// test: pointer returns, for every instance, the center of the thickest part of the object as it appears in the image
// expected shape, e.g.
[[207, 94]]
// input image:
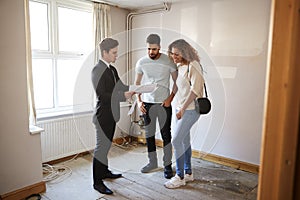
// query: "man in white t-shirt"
[[157, 68]]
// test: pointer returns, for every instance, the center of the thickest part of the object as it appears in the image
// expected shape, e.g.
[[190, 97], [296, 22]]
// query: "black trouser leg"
[[164, 115], [164, 118], [105, 129]]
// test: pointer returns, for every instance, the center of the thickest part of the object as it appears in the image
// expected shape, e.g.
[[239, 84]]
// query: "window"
[[61, 40]]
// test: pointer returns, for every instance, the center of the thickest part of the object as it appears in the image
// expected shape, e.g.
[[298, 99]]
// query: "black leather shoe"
[[102, 188], [111, 175], [168, 172]]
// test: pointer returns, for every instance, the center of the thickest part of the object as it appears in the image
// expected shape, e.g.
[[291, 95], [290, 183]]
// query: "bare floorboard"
[[212, 181]]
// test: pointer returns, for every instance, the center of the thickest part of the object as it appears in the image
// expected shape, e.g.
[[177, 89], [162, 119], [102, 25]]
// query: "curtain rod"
[[103, 2]]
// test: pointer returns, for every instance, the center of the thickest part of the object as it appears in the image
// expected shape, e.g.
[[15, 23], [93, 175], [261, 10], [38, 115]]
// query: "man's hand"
[[166, 103], [128, 94], [142, 107]]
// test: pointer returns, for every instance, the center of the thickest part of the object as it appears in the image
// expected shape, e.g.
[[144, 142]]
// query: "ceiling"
[[136, 4]]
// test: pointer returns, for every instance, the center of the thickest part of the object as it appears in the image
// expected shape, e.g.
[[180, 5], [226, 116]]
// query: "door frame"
[[281, 112]]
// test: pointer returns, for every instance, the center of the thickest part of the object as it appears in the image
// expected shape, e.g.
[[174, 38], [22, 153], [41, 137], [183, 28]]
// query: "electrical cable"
[[56, 174]]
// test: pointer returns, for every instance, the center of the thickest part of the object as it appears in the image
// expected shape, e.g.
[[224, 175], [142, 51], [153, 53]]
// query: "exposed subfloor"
[[212, 181]]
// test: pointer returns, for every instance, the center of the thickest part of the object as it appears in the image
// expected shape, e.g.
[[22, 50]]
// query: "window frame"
[[55, 54]]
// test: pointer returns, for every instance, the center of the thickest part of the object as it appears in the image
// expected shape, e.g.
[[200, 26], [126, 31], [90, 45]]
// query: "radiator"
[[67, 136]]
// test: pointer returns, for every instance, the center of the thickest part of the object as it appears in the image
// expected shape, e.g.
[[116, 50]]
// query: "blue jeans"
[[181, 142]]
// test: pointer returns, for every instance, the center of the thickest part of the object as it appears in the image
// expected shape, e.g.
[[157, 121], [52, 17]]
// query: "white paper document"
[[143, 88], [132, 108]]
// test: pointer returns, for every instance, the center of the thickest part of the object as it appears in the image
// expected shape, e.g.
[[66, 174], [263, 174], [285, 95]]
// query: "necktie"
[[113, 73]]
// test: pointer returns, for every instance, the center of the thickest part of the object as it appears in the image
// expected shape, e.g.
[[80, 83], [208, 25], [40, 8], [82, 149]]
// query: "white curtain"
[[102, 24], [30, 94]]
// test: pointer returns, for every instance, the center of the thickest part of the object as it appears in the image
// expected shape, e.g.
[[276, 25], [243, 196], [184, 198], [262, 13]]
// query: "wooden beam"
[[280, 131]]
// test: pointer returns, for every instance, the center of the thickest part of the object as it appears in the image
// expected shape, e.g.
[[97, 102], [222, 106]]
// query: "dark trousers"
[[105, 128], [164, 116]]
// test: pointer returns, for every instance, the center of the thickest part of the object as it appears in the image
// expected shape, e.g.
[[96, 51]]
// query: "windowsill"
[[69, 113], [35, 129], [56, 115]]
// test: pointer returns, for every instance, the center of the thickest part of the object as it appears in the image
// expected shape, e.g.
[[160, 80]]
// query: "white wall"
[[20, 152], [231, 37], [84, 86], [118, 21]]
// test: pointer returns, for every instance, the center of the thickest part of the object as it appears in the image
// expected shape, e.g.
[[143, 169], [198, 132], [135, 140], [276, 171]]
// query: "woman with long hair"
[[190, 84]]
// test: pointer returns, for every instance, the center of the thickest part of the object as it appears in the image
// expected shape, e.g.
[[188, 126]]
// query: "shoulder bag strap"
[[188, 70]]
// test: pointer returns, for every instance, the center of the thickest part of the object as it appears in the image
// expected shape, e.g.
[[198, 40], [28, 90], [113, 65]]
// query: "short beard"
[[155, 56]]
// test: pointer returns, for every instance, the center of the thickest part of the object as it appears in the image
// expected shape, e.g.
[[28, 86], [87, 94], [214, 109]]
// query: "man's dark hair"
[[153, 39], [108, 44]]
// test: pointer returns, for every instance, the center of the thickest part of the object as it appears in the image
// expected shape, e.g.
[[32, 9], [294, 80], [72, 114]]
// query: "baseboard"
[[60, 160], [25, 192], [248, 167]]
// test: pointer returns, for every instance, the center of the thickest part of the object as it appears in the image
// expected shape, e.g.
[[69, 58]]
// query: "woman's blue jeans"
[[181, 142]]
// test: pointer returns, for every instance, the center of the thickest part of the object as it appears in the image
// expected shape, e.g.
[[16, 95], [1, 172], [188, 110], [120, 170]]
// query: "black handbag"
[[203, 104]]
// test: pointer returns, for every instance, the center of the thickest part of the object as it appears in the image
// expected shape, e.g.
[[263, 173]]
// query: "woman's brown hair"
[[188, 53]]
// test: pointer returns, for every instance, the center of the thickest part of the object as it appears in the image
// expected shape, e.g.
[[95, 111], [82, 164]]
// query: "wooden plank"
[[280, 128], [137, 185], [154, 182], [202, 169], [124, 191], [212, 181], [211, 190], [226, 181]]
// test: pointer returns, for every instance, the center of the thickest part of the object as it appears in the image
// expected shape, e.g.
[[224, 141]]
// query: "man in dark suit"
[[110, 91]]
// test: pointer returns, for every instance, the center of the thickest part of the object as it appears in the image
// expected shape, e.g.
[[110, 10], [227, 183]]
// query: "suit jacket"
[[109, 91]]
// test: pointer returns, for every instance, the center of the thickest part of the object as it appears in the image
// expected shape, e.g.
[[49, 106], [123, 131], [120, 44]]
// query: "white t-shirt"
[[189, 81], [156, 71]]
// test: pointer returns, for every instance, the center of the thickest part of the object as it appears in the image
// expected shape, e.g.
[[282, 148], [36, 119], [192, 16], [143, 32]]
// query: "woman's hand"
[[179, 114]]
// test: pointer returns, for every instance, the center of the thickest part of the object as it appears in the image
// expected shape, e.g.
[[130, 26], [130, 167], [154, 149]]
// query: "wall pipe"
[[165, 8]]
